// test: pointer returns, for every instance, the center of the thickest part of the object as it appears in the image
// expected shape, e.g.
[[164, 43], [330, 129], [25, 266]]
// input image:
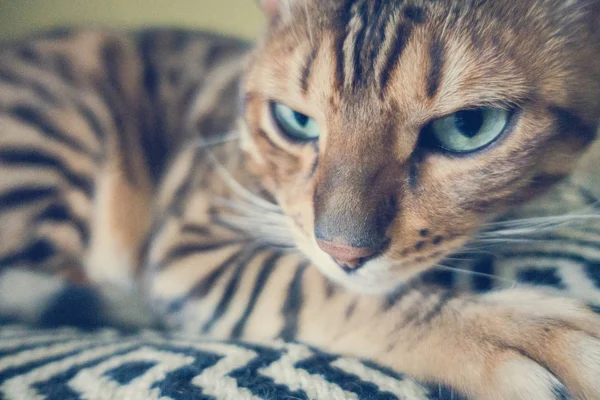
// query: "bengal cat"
[[329, 184]]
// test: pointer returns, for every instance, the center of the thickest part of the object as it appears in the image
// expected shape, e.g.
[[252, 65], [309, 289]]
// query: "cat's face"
[[390, 130]]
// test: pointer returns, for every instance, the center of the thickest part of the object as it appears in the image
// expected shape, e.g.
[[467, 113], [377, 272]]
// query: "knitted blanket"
[[64, 364]]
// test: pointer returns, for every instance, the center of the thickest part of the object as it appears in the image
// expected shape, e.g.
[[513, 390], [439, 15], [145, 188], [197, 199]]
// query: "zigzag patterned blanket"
[[65, 364]]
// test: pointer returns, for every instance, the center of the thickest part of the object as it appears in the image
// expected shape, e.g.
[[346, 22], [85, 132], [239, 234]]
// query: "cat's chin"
[[377, 277]]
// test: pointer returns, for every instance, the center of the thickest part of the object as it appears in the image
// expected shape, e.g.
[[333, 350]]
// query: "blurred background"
[[237, 17]]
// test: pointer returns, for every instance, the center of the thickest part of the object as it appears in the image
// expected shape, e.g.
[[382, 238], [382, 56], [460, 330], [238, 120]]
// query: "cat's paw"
[[529, 345]]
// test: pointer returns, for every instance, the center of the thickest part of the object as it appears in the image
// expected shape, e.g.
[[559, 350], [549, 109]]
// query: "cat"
[[322, 184]]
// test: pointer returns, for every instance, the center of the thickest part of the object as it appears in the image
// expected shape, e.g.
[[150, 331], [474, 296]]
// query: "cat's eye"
[[293, 124], [469, 130]]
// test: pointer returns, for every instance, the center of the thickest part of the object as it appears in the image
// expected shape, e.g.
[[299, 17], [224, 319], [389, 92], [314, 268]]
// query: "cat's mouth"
[[377, 275], [352, 259]]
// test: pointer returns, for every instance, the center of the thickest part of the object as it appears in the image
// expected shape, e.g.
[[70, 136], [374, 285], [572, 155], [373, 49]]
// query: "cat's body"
[[123, 162]]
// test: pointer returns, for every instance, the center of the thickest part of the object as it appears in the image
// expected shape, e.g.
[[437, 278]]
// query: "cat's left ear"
[[270, 7], [276, 8]]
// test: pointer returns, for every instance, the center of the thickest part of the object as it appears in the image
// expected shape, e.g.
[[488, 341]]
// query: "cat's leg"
[[512, 344]]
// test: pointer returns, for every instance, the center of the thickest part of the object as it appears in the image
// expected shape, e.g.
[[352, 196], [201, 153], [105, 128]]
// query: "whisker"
[[469, 272], [236, 187], [202, 143], [549, 221], [308, 26], [494, 240]]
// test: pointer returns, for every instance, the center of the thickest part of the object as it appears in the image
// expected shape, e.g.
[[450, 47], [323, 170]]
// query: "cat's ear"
[[270, 7], [275, 8]]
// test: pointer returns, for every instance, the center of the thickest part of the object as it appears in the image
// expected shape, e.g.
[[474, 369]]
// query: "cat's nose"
[[348, 257]]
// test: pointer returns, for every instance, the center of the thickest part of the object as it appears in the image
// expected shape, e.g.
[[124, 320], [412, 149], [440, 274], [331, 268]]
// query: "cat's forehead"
[[426, 57], [373, 43]]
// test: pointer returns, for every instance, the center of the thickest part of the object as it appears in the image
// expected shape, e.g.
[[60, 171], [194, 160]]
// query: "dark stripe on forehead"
[[345, 14], [436, 65], [306, 71], [400, 39], [372, 37], [363, 11], [415, 14]]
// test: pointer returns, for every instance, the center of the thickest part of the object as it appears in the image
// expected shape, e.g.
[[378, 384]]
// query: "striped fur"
[[149, 160]]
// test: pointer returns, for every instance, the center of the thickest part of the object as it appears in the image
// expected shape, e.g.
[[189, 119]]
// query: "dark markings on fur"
[[392, 299], [484, 267], [541, 276], [41, 91], [231, 289], [186, 250], [436, 66], [259, 285], [112, 58], [197, 230], [293, 305], [437, 240], [219, 118], [350, 310], [29, 54], [175, 207], [64, 69], [307, 70], [438, 308], [29, 157], [330, 290], [112, 92], [424, 232], [24, 196], [153, 142], [266, 137], [344, 17], [93, 122], [315, 164], [378, 34], [359, 74], [207, 284], [35, 253], [415, 14], [400, 41], [420, 245], [413, 172], [60, 213], [189, 95], [214, 53], [568, 123], [42, 123]]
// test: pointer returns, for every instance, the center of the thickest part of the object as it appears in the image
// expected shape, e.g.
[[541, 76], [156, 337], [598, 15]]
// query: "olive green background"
[[238, 17]]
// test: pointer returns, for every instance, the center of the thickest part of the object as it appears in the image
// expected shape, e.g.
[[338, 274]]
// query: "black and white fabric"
[[64, 364]]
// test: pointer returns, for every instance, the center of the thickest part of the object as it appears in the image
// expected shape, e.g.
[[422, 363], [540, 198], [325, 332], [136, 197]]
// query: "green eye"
[[469, 130], [295, 125]]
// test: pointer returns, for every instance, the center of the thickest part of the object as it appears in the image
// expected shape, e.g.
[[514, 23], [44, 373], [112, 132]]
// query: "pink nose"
[[347, 256]]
